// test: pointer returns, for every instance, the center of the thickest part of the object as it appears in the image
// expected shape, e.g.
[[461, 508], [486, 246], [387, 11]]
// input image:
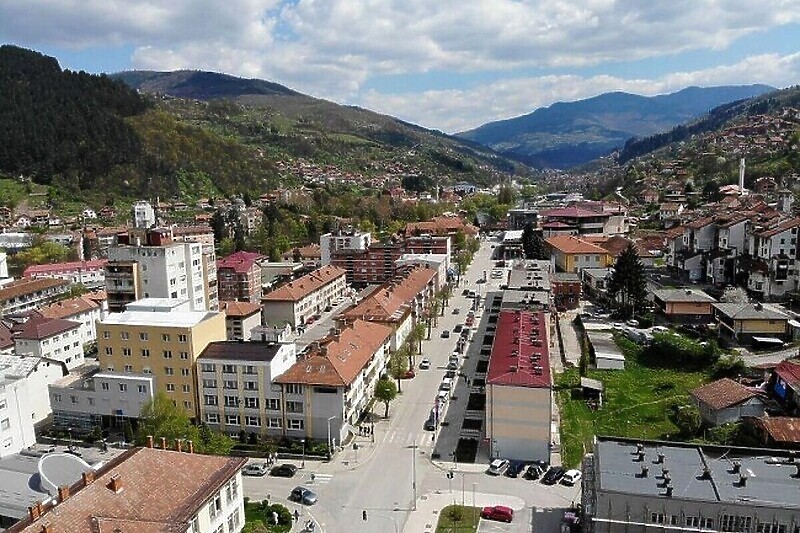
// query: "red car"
[[501, 513]]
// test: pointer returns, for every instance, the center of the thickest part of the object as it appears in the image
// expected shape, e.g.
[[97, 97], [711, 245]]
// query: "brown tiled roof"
[[700, 223], [441, 225], [615, 245], [783, 429], [569, 244], [339, 360], [70, 307], [783, 226], [29, 286], [240, 262], [386, 302], [6, 341], [300, 288], [722, 393], [239, 309], [161, 490], [40, 327], [674, 233]]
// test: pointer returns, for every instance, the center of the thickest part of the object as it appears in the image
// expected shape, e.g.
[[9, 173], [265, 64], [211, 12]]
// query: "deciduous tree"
[[385, 391]]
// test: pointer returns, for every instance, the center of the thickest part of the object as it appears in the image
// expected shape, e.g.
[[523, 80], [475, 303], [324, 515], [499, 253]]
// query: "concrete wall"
[[518, 422]]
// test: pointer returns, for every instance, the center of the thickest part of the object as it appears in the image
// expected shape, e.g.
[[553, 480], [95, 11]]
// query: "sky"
[[450, 65]]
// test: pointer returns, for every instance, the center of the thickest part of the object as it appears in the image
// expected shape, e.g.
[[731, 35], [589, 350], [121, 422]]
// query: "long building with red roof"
[[519, 388], [296, 302]]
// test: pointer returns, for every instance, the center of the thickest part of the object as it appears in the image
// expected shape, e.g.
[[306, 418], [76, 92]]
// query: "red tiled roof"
[[161, 490], [239, 309], [385, 302], [783, 226], [513, 360], [29, 286], [69, 307], [41, 327], [240, 262], [339, 360], [569, 244], [722, 393], [73, 266], [615, 245], [6, 340], [440, 226], [783, 429], [700, 223], [300, 288]]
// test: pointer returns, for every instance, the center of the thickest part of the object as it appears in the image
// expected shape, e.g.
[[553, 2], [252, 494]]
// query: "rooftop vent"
[[669, 491], [660, 459], [737, 467], [706, 473], [645, 470], [742, 479]]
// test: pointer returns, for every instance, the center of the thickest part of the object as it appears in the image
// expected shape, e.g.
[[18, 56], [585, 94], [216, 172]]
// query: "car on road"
[[571, 477], [442, 397], [497, 467], [303, 495], [425, 363], [446, 334], [501, 513], [465, 292], [458, 328], [254, 469], [553, 475], [450, 374], [430, 423], [446, 385], [515, 468], [457, 311], [452, 365], [285, 470], [534, 471]]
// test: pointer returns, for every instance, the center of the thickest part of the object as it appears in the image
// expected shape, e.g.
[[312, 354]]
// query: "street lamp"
[[303, 462], [330, 451]]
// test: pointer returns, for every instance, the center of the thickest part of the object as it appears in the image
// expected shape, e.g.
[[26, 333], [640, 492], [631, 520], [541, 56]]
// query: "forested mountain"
[[567, 134]]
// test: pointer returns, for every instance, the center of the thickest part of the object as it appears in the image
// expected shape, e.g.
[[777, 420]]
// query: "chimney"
[[645, 470], [191, 446], [179, 445], [660, 458], [706, 473], [115, 484], [149, 441], [48, 528], [741, 176], [163, 443], [63, 493], [742, 479], [88, 477], [34, 512]]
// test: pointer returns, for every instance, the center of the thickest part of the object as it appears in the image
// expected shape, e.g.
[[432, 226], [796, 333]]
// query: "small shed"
[[607, 355], [592, 391], [726, 400]]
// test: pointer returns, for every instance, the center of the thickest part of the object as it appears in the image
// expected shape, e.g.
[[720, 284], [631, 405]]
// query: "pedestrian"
[[296, 515]]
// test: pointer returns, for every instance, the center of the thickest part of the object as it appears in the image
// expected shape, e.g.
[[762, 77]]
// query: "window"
[[147, 370], [250, 385], [3, 404], [274, 423], [90, 400], [128, 368], [184, 371], [210, 399], [126, 352], [165, 337], [145, 352], [181, 338], [167, 354], [170, 387], [184, 355], [252, 421], [209, 383], [142, 389], [109, 350], [73, 399], [735, 523], [207, 367], [231, 401], [104, 386], [656, 518], [215, 507], [294, 407], [251, 403], [249, 370], [5, 423], [195, 525], [295, 423], [124, 335], [230, 384], [186, 388], [212, 418], [123, 387], [294, 388], [232, 420], [228, 369], [187, 405], [272, 404], [106, 334], [143, 336]]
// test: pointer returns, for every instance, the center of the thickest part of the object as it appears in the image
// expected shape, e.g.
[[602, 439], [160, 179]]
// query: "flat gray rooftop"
[[769, 482], [19, 487]]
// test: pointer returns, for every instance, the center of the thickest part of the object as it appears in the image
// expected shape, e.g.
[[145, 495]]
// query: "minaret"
[[741, 176]]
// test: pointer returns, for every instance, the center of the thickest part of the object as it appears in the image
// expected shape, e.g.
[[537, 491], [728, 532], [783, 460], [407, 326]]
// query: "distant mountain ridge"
[[568, 134], [199, 84]]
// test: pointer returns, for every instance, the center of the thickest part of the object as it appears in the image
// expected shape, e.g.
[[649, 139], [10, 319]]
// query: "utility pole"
[[414, 475]]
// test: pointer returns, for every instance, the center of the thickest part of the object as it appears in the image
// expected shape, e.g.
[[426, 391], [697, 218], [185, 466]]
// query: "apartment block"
[[88, 273], [52, 338], [26, 294], [82, 309], [239, 277], [774, 269], [345, 241], [27, 379], [294, 303], [240, 319], [235, 380], [162, 338]]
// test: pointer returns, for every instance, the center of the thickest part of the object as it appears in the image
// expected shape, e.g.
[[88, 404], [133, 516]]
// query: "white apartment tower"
[[144, 217], [342, 241]]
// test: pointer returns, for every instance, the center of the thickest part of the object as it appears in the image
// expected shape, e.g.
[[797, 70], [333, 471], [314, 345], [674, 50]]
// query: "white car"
[[571, 477], [425, 363], [497, 467]]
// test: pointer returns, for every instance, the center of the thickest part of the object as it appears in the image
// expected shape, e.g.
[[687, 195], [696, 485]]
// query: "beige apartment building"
[[161, 337]]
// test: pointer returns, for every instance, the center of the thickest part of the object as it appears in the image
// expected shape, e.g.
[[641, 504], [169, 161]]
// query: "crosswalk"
[[423, 439], [319, 479]]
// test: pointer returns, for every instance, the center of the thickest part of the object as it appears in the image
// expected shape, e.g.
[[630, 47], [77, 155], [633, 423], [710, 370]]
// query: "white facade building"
[[144, 217], [54, 338], [80, 309], [27, 378], [298, 301], [351, 240]]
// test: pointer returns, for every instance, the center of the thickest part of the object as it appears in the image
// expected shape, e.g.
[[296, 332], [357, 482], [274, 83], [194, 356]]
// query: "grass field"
[[470, 516], [635, 404]]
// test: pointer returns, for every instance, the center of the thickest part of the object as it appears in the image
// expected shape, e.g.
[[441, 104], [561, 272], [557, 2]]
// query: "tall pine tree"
[[533, 243], [628, 287]]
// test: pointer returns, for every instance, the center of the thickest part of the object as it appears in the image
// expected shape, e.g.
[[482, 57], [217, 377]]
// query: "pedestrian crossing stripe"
[[321, 479]]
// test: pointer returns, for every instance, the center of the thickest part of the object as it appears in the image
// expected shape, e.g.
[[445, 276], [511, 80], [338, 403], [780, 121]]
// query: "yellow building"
[[161, 337], [748, 322], [572, 254]]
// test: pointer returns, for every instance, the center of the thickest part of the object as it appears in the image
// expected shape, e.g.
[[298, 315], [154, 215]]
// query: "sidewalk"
[[429, 505]]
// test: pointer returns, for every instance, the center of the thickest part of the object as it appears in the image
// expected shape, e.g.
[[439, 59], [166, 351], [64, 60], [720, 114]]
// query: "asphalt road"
[[395, 475]]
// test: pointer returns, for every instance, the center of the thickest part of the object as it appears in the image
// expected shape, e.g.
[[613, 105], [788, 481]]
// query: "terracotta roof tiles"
[[722, 393], [569, 244], [300, 288]]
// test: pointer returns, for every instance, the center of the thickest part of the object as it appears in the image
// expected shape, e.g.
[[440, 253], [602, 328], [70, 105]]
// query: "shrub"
[[676, 351], [730, 366]]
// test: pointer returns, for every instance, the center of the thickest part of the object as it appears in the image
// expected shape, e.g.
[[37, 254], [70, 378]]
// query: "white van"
[[446, 385], [442, 397]]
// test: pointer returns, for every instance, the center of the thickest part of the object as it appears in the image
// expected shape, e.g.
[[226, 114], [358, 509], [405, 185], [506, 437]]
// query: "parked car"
[[553, 475], [425, 363], [446, 334], [430, 423], [254, 469], [303, 495], [465, 292], [456, 311], [501, 513], [286, 470], [458, 328], [452, 365], [515, 468], [571, 477], [497, 467], [442, 397], [534, 471]]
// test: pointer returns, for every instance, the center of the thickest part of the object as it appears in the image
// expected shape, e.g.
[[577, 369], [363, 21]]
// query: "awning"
[[794, 323], [767, 340]]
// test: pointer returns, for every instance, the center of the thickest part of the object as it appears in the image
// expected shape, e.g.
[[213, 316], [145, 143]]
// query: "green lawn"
[[635, 404], [470, 516], [256, 519]]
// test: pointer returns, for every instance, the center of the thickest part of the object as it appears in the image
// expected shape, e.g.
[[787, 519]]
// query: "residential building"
[[16, 422], [576, 219], [88, 273], [783, 385], [641, 486], [52, 338], [6, 339], [239, 277], [294, 303], [235, 381], [90, 397], [448, 225], [746, 322], [511, 246], [348, 241], [684, 305], [699, 238], [81, 309], [519, 217], [566, 289], [519, 389], [331, 386], [572, 254], [530, 275], [163, 338], [595, 281], [240, 319], [144, 217], [147, 489], [778, 431], [27, 377], [159, 268], [201, 234], [438, 262], [26, 294], [774, 269], [310, 255], [726, 401]]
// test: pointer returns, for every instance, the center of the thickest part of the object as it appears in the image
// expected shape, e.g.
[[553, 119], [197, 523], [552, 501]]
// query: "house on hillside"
[[725, 401]]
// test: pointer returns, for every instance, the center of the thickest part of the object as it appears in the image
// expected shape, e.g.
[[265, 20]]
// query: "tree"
[[397, 363], [627, 285], [385, 391], [533, 243], [416, 337], [162, 418]]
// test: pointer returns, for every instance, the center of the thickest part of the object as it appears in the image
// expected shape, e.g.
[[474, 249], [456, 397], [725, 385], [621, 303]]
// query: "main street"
[[391, 476]]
